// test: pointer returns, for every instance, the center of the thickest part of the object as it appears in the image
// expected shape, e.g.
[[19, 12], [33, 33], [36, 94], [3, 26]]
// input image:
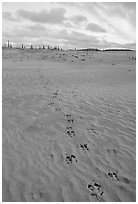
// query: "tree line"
[[9, 45]]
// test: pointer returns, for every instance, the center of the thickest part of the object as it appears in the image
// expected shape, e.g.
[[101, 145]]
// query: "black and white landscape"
[[69, 102]]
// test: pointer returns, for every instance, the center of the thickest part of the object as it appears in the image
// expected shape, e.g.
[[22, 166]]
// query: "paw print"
[[95, 189], [69, 118], [70, 131], [70, 158], [84, 146], [113, 175]]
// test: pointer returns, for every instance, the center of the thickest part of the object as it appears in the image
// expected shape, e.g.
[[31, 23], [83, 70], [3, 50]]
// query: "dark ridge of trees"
[[117, 50], [88, 49]]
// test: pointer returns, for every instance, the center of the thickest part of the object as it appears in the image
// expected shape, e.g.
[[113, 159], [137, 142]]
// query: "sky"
[[70, 24]]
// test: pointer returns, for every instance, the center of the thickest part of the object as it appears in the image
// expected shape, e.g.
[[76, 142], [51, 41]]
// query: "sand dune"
[[68, 126]]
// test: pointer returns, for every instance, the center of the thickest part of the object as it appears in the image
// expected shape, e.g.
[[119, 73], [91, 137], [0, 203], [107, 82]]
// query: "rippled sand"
[[68, 126]]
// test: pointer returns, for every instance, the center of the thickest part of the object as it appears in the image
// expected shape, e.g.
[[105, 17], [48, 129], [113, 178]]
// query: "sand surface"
[[68, 126]]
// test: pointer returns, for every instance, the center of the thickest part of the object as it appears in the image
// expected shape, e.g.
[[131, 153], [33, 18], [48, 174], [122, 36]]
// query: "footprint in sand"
[[54, 95], [113, 176], [69, 118], [57, 109], [70, 131], [70, 158], [95, 189], [84, 146]]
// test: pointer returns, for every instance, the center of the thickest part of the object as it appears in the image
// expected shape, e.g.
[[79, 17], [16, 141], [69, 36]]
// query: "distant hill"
[[107, 49], [89, 49], [117, 49]]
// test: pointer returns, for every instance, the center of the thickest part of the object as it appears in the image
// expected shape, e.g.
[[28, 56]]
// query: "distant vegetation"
[[115, 49], [89, 49], [9, 45]]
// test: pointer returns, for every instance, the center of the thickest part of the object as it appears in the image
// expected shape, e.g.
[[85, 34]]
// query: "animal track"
[[84, 146], [70, 131], [113, 175], [57, 109], [95, 189], [69, 118], [54, 94], [70, 158]]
